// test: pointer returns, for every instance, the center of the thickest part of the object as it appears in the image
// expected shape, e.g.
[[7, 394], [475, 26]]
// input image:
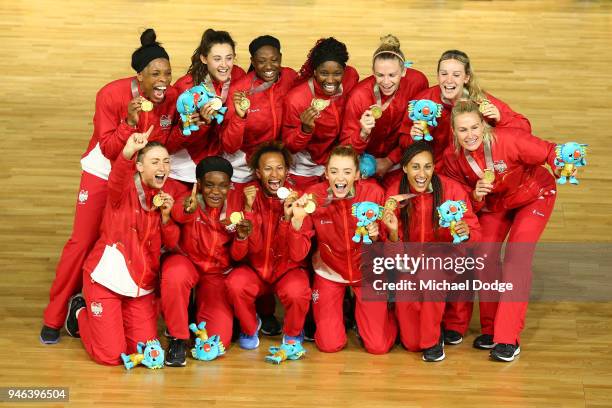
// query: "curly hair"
[[325, 49]]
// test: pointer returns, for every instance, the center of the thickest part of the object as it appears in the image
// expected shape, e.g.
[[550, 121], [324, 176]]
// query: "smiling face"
[[329, 76], [154, 167], [388, 74], [452, 78], [155, 79], [419, 171], [219, 61], [341, 173], [214, 186], [272, 172], [469, 130], [267, 63]]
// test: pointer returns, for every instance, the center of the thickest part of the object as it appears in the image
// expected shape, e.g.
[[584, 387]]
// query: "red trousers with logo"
[[112, 324], [376, 323], [90, 204], [244, 286], [179, 275]]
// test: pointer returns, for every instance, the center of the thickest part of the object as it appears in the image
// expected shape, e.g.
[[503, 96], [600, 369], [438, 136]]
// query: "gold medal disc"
[[146, 106], [376, 111], [310, 207], [245, 104], [236, 217], [489, 176], [216, 103], [391, 204], [158, 201], [483, 105], [319, 104]]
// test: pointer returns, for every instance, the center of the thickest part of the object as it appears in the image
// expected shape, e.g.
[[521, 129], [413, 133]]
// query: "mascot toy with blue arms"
[[186, 106], [570, 156], [206, 348], [367, 165], [451, 212], [203, 96], [366, 213], [150, 355], [425, 112], [290, 350]]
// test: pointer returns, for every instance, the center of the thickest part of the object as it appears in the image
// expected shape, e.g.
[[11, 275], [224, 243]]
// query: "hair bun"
[[389, 40], [148, 37]]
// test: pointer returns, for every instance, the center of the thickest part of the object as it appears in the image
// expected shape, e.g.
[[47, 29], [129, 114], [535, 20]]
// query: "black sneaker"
[[435, 353], [452, 337], [176, 353], [484, 342], [49, 335], [270, 326], [505, 352], [76, 303]]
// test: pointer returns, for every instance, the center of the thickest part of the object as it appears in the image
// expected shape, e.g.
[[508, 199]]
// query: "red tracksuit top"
[[443, 133], [205, 142], [111, 130], [138, 233], [327, 126], [272, 259], [518, 157], [384, 137], [205, 238], [334, 226], [421, 223], [264, 118]]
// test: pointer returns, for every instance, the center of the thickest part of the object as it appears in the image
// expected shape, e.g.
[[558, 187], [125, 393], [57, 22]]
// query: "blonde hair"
[[389, 48], [472, 89], [468, 106]]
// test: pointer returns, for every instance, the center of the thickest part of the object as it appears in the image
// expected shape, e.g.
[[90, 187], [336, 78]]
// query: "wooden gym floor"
[[549, 60]]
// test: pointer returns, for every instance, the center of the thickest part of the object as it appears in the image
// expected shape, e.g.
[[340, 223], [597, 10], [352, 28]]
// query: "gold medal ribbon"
[[488, 159], [224, 88], [378, 97]]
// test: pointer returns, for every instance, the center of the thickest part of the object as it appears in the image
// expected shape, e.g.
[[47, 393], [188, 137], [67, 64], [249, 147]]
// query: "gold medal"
[[320, 104], [236, 217], [310, 207], [489, 176], [245, 103], [483, 105], [146, 106], [391, 204], [376, 111], [216, 103], [158, 200]]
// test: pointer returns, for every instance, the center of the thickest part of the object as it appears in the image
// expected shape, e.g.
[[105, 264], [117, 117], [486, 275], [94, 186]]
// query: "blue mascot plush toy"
[[569, 156], [206, 348], [192, 100], [150, 355], [290, 350], [367, 165], [425, 112], [450, 212], [366, 213]]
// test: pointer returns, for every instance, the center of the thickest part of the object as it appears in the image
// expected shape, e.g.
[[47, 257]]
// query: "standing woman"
[[212, 63], [314, 109], [516, 205], [418, 221], [123, 107], [456, 80], [337, 259], [264, 89], [388, 91]]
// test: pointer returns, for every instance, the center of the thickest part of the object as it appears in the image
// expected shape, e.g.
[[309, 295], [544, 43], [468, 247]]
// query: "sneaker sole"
[[75, 335], [442, 357], [506, 359], [183, 364], [484, 346], [48, 341], [454, 343]]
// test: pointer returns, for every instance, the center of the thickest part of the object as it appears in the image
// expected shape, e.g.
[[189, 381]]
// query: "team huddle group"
[[256, 202]]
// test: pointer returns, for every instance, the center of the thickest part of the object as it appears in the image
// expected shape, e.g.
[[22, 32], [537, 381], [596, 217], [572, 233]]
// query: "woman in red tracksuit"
[[265, 87], [418, 221], [209, 244], [311, 132], [118, 307], [456, 80], [270, 268], [119, 113], [337, 260], [390, 88], [514, 196], [212, 63]]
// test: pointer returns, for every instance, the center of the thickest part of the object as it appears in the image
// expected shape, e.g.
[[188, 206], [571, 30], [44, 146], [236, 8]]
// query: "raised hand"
[[136, 142]]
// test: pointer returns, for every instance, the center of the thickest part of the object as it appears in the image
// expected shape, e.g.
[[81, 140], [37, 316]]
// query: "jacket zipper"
[[347, 240]]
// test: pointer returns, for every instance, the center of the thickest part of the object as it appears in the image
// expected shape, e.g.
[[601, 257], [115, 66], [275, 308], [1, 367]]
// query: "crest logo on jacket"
[[83, 195], [315, 296], [165, 121], [96, 309], [500, 166]]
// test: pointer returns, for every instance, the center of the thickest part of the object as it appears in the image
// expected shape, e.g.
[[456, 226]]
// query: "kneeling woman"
[[418, 221], [119, 309], [337, 259]]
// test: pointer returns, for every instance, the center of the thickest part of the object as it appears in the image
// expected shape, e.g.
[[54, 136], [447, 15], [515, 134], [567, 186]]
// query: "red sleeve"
[[178, 213], [470, 216], [530, 149], [109, 126], [121, 175], [508, 117], [452, 169], [239, 248], [350, 79], [256, 237], [299, 241], [293, 137], [170, 234], [232, 129], [351, 128]]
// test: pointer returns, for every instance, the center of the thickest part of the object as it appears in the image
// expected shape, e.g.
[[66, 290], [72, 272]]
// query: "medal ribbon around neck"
[[262, 87], [488, 159], [312, 90], [141, 193], [378, 97], [202, 204], [224, 88]]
